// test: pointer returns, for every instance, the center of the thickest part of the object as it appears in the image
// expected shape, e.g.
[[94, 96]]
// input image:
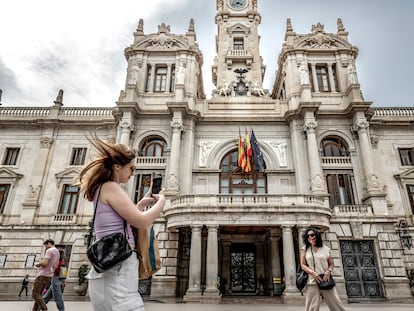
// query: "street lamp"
[[404, 234]]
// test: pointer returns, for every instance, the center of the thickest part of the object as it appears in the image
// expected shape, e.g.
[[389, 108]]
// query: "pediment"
[[407, 174], [238, 28], [6, 173], [161, 41], [321, 40], [67, 175]]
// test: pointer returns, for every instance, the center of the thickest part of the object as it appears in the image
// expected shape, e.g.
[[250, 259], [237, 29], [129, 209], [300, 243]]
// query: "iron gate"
[[243, 268], [360, 269]]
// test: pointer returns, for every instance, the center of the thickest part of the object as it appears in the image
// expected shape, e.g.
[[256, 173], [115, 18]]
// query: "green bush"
[[82, 272]]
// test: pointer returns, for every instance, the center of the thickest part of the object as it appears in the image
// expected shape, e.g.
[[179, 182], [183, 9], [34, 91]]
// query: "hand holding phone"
[[156, 184]]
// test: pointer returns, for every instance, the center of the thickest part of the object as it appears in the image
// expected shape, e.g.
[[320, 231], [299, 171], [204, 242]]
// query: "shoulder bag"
[[109, 250], [301, 278]]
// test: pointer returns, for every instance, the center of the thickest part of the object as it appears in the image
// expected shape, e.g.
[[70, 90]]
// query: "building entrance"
[[243, 268], [360, 269]]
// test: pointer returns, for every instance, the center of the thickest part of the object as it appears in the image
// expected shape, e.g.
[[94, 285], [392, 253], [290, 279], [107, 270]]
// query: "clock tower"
[[238, 65]]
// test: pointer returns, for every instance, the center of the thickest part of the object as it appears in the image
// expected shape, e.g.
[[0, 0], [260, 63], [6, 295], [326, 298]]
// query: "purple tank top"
[[108, 221]]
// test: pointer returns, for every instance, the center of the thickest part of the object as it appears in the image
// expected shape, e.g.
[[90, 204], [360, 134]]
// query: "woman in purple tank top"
[[115, 165]]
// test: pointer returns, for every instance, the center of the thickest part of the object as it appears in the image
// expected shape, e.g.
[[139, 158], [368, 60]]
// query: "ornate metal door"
[[360, 269], [243, 268]]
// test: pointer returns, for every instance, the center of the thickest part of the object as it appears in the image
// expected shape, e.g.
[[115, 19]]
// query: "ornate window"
[[322, 78], [333, 146], [78, 156], [153, 147], [340, 189], [143, 182], [238, 44], [69, 200], [160, 78], [406, 156], [11, 156], [4, 191], [234, 181]]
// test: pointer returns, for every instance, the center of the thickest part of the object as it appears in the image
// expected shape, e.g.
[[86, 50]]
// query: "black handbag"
[[109, 250], [326, 284], [301, 278]]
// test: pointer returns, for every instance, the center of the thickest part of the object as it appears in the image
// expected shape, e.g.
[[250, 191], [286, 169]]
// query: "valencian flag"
[[257, 154], [249, 152], [241, 158]]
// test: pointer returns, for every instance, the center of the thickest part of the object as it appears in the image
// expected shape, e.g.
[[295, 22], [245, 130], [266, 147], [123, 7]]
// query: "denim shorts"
[[116, 289]]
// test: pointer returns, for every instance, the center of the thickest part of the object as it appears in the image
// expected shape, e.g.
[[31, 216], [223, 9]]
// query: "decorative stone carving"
[[360, 125], [46, 142], [163, 39], [133, 75], [280, 149], [352, 75], [177, 124], [258, 90], [172, 182], [205, 148], [317, 182], [309, 125], [371, 182], [304, 74], [180, 75]]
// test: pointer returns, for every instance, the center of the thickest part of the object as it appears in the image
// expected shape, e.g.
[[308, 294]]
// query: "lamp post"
[[404, 234]]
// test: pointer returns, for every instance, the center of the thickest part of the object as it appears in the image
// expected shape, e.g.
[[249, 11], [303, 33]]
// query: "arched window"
[[333, 146], [153, 147], [234, 181]]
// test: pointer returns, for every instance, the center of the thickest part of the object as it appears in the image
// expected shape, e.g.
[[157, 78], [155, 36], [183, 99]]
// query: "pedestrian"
[[57, 283], [45, 271], [316, 260], [100, 181], [25, 285]]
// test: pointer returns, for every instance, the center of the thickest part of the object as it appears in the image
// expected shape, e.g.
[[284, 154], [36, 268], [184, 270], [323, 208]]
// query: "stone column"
[[125, 128], [274, 258], [212, 263], [373, 196], [315, 167], [152, 80], [168, 82], [289, 260], [175, 154], [298, 150], [194, 278]]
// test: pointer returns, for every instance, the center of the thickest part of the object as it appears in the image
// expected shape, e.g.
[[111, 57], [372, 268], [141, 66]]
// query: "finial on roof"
[[163, 28], [340, 25], [191, 26], [140, 27], [59, 98], [289, 25], [318, 28]]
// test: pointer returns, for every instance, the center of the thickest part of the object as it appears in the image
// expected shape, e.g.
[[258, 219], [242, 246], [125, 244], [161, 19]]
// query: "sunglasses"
[[311, 235]]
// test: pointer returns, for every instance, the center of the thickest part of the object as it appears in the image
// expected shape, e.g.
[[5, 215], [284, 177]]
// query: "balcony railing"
[[143, 162], [64, 218], [336, 162], [353, 210], [234, 201]]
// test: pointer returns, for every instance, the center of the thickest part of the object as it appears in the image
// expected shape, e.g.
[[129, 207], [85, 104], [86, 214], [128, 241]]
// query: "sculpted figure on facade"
[[133, 75], [205, 148], [180, 75], [223, 90], [372, 182], [257, 89], [304, 74], [317, 182], [46, 142], [352, 75]]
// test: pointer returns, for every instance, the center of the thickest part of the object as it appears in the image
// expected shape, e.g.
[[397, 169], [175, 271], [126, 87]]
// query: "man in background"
[[45, 270]]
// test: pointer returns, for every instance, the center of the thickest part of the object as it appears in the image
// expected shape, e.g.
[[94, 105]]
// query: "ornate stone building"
[[330, 160]]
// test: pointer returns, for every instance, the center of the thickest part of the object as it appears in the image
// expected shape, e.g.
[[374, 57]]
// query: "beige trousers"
[[314, 299]]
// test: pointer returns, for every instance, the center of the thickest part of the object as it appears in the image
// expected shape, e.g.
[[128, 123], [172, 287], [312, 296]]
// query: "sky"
[[78, 45]]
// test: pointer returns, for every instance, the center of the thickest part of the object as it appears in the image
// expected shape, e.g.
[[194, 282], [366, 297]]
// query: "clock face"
[[238, 4]]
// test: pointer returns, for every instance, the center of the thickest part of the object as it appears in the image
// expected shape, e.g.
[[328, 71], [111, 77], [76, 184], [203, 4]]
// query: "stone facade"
[[331, 161]]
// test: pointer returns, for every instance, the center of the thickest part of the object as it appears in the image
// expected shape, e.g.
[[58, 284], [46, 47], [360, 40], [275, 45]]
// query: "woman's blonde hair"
[[100, 170]]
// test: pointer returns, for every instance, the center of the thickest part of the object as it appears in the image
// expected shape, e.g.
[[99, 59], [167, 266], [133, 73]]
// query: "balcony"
[[151, 162], [255, 209], [238, 56], [336, 162], [359, 210]]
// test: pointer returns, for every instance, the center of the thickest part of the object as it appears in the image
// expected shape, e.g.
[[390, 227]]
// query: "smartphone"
[[156, 184]]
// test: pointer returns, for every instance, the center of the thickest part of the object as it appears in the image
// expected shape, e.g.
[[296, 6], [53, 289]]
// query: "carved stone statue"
[[352, 75], [304, 74]]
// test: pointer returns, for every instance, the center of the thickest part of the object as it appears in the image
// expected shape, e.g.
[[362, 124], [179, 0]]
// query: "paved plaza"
[[25, 305]]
